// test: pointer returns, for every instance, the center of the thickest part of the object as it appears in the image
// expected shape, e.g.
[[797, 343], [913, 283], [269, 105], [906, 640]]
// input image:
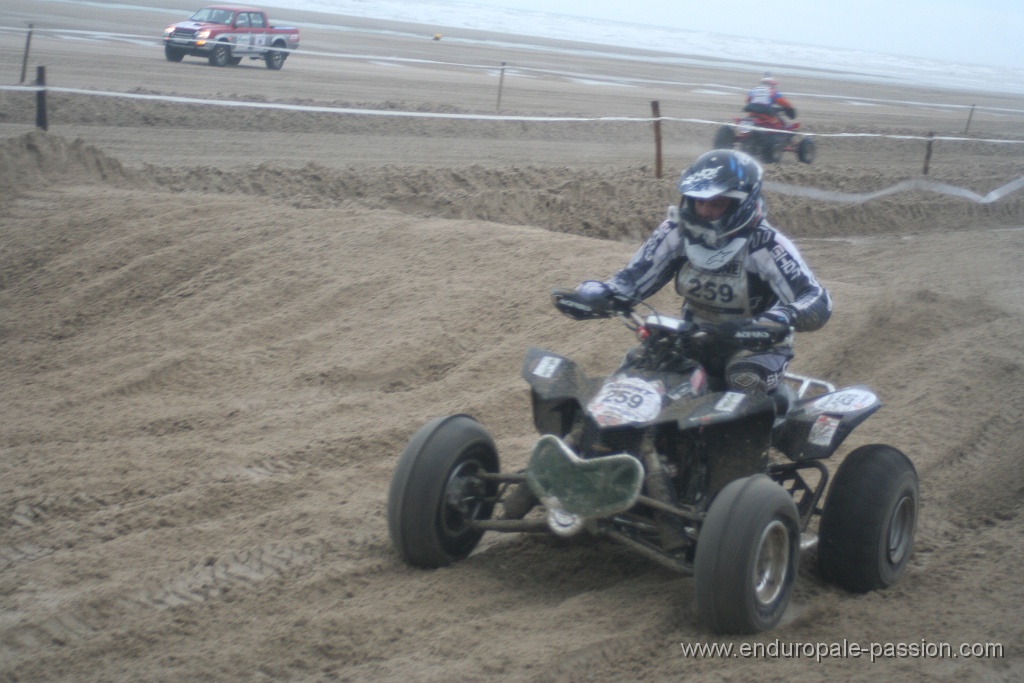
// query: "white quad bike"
[[661, 458]]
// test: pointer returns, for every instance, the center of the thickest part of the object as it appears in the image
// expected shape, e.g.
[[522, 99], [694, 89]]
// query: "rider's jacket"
[[769, 96], [766, 274]]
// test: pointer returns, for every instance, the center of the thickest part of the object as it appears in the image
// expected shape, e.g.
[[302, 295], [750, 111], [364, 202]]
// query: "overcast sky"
[[964, 31]]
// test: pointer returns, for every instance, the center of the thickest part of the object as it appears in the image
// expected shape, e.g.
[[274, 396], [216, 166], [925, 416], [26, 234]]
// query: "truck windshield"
[[212, 16]]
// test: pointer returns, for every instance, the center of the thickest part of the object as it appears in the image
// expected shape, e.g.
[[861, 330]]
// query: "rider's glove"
[[773, 317], [594, 291]]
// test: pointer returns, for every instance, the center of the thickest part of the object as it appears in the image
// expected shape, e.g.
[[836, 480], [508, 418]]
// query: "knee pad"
[[746, 380]]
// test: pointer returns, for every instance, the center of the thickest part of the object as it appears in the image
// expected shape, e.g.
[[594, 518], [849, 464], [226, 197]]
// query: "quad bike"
[[765, 136], [661, 458]]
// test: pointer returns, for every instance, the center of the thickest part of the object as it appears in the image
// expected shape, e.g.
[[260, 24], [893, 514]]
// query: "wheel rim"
[[901, 530], [464, 498], [772, 563]]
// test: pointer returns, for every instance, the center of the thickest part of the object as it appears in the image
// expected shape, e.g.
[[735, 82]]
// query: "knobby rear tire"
[[867, 528]]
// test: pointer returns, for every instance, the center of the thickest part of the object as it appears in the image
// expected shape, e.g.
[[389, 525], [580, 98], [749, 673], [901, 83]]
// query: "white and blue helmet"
[[721, 173]]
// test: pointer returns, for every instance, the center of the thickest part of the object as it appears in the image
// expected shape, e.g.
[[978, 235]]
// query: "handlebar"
[[745, 334]]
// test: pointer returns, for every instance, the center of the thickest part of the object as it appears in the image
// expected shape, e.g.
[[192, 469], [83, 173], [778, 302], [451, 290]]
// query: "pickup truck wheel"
[[221, 55], [235, 61], [275, 59], [173, 54]]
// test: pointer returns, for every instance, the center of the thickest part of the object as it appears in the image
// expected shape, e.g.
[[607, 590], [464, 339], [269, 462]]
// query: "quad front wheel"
[[748, 552], [436, 492], [866, 533], [725, 138]]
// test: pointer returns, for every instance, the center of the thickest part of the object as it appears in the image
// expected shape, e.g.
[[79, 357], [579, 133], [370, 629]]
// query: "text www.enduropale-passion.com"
[[777, 649]]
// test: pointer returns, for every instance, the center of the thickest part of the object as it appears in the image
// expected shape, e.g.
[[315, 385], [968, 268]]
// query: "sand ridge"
[[211, 362]]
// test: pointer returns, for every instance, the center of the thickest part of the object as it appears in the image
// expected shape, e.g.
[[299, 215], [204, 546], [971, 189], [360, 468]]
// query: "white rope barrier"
[[905, 186], [464, 117], [809, 192]]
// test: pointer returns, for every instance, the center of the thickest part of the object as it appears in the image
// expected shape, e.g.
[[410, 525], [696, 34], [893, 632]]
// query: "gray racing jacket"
[[762, 274]]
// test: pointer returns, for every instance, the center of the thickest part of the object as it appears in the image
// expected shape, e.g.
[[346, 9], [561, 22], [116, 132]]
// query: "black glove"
[[594, 292], [592, 299]]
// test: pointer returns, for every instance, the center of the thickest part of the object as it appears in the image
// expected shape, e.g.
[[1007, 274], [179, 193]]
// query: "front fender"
[[559, 387]]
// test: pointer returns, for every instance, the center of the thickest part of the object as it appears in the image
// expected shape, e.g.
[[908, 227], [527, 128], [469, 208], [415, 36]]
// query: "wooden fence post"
[[928, 152], [656, 113], [501, 84], [41, 97], [969, 117], [24, 60]]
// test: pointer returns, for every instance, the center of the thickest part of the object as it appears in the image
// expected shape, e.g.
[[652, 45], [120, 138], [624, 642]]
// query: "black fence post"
[[41, 97], [928, 153], [24, 60], [969, 117]]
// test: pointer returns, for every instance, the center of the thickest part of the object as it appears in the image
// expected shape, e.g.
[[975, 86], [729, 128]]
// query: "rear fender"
[[817, 426]]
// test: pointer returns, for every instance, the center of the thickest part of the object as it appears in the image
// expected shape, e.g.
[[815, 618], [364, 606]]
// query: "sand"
[[219, 328]]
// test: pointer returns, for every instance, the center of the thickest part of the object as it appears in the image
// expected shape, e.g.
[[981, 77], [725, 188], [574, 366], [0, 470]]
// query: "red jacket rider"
[[766, 99]]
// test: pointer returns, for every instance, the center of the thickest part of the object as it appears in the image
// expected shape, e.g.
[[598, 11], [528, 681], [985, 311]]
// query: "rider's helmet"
[[721, 173], [769, 81]]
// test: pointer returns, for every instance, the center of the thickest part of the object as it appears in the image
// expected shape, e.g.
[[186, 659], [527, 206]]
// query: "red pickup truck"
[[224, 34]]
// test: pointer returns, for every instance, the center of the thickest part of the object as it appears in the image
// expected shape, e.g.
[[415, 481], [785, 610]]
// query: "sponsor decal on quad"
[[547, 366], [729, 402], [823, 429], [845, 401]]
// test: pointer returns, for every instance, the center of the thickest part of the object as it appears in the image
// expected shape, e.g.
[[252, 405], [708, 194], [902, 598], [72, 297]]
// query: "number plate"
[[845, 401], [627, 400]]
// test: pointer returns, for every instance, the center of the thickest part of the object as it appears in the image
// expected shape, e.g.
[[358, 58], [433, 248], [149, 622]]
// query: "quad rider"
[[730, 265], [765, 99]]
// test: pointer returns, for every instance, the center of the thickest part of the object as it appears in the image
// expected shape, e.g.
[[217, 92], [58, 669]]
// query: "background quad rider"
[[766, 99], [733, 269]]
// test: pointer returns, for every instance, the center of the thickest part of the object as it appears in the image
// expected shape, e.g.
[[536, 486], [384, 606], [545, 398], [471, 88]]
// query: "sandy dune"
[[220, 327]]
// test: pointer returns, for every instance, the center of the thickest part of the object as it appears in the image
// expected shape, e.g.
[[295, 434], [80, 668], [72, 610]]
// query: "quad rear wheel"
[[747, 556], [436, 492], [770, 148], [806, 151], [866, 534]]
